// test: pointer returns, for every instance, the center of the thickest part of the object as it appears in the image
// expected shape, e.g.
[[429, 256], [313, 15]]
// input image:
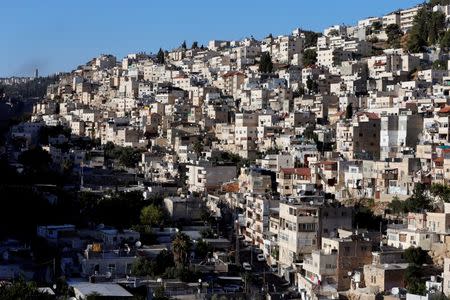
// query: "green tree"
[[151, 215], [310, 38], [419, 201], [202, 249], [309, 57], [415, 256], [349, 111], [333, 32], [181, 245], [377, 26], [194, 45], [394, 34], [35, 159], [445, 41], [142, 267], [183, 45], [441, 191], [438, 2], [396, 206], [21, 290], [436, 27], [160, 57], [439, 65], [417, 38], [265, 63]]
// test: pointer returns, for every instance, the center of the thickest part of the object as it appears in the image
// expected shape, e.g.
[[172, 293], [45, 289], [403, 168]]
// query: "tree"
[[436, 27], [181, 245], [441, 191], [415, 256], [142, 267], [183, 45], [198, 147], [151, 215], [310, 38], [21, 290], [377, 26], [394, 34], [445, 41], [35, 159], [265, 63], [349, 111], [333, 32], [312, 86], [309, 57], [160, 56], [202, 249], [417, 38], [396, 206], [427, 29], [438, 2], [439, 65], [194, 45], [419, 201]]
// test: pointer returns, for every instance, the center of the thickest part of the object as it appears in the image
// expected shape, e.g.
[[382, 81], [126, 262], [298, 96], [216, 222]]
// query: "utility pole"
[[236, 223]]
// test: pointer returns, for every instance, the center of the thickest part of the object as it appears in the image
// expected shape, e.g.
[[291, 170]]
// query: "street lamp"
[[199, 285]]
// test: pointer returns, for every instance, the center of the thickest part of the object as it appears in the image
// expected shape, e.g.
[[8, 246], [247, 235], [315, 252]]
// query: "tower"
[[36, 73]]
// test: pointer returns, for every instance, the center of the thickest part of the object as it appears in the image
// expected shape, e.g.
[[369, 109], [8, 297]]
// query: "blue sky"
[[59, 35]]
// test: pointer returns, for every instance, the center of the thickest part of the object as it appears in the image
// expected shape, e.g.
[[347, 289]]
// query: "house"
[[83, 290], [180, 208]]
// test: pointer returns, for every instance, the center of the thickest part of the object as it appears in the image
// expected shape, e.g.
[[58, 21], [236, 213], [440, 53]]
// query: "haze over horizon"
[[58, 36]]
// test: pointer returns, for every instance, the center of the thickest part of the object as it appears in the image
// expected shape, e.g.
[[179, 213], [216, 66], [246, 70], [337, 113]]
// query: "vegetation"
[[160, 57], [438, 2], [394, 34], [21, 290], [428, 29], [312, 86], [310, 38], [445, 41], [157, 267], [309, 57], [441, 192], [416, 257], [349, 111], [127, 156], [152, 215], [36, 87], [333, 32], [418, 202], [181, 245], [265, 64]]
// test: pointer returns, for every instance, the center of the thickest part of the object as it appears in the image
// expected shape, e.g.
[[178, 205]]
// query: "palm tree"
[[181, 245]]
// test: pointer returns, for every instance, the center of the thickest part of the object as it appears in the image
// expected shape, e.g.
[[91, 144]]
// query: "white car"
[[260, 257], [247, 266]]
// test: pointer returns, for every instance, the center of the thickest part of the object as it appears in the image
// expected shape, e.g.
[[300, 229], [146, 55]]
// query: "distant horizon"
[[65, 36]]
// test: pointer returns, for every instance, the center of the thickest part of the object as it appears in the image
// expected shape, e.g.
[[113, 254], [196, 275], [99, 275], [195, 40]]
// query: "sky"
[[59, 35]]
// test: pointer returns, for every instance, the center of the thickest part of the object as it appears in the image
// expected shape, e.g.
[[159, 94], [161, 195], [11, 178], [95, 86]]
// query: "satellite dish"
[[138, 244]]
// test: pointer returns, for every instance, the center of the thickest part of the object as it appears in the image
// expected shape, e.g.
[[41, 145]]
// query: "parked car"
[[260, 257], [247, 266]]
